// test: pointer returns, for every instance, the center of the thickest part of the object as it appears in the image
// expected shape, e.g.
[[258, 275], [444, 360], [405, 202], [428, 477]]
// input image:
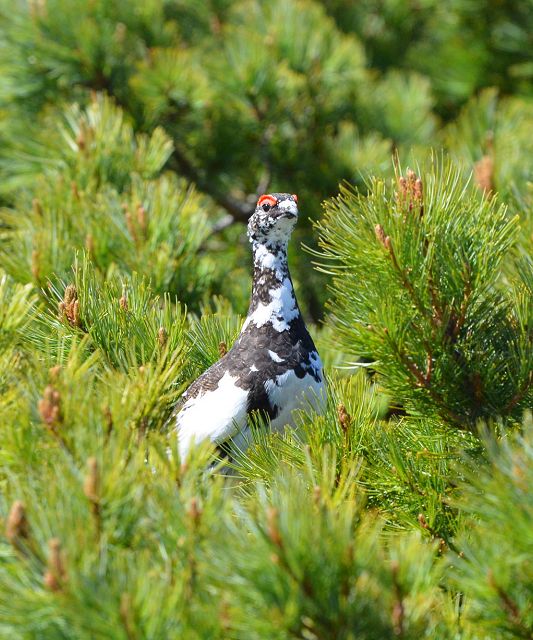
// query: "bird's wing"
[[215, 413]]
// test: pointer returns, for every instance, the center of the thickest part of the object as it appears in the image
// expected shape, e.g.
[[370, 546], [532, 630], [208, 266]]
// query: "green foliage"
[[281, 589], [93, 184], [497, 569], [147, 547], [493, 127], [461, 46], [121, 317], [256, 94], [210, 336], [17, 304], [407, 467], [62, 45], [491, 136], [134, 138], [90, 147], [259, 104], [416, 266]]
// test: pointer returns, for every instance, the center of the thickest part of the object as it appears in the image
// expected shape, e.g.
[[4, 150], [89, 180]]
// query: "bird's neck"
[[273, 299], [270, 262]]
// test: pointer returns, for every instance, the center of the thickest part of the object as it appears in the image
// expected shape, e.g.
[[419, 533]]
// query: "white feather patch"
[[289, 392], [215, 415], [281, 309]]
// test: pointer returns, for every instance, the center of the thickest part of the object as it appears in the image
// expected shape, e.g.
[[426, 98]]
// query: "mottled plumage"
[[273, 367]]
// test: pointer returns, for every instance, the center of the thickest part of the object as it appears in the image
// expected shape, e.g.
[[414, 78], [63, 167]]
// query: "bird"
[[273, 367]]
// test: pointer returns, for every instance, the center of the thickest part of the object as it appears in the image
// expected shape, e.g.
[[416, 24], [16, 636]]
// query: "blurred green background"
[[239, 97]]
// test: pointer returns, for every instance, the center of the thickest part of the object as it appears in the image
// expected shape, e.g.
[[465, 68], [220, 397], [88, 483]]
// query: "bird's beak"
[[288, 208]]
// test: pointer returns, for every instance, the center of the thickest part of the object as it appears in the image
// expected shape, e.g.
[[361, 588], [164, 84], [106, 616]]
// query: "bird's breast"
[[296, 388]]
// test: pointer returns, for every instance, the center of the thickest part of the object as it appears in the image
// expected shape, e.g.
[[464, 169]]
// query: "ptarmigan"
[[274, 366]]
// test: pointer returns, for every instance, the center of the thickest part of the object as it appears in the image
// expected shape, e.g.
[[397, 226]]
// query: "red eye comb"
[[266, 199], [295, 197]]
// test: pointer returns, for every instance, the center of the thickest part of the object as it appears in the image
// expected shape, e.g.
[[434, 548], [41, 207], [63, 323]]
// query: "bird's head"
[[274, 218]]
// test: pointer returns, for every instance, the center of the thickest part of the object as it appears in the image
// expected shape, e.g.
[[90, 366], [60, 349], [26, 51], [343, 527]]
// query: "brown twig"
[[240, 210], [403, 277], [436, 535], [520, 394], [455, 325], [425, 383], [126, 615], [509, 606]]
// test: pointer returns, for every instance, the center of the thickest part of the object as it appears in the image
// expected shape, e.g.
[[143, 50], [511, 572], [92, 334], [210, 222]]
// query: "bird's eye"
[[266, 202]]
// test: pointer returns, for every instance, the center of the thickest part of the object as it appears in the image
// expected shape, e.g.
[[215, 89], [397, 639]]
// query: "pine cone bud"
[[162, 337], [344, 418], [74, 188], [410, 192], [69, 308], [417, 189], [484, 174], [17, 527], [50, 407], [272, 526], [194, 511], [54, 372], [380, 234], [108, 417], [222, 349], [80, 140], [91, 483], [129, 224], [142, 219], [56, 574]]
